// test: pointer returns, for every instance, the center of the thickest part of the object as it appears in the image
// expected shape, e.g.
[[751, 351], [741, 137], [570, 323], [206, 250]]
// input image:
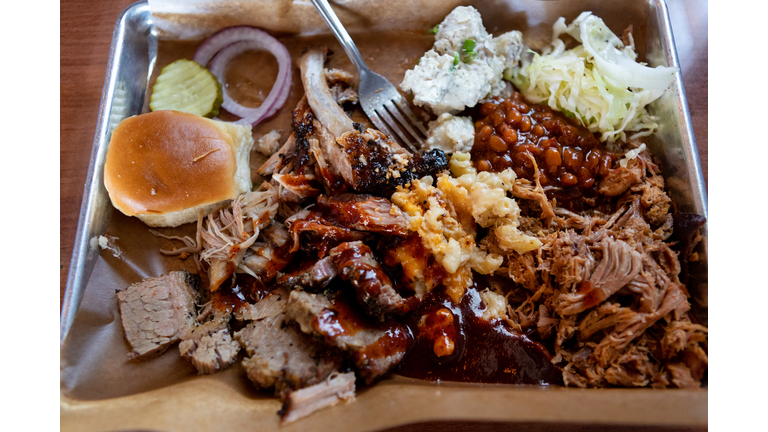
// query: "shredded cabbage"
[[628, 156], [598, 82]]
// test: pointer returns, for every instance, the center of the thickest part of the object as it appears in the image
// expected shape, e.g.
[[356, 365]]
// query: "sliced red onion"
[[226, 44], [278, 103], [224, 37], [220, 62]]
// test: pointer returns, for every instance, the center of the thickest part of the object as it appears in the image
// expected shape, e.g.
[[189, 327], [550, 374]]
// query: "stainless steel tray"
[[132, 58]]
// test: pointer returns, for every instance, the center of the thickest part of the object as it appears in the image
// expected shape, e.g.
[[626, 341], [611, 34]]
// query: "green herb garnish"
[[456, 61], [469, 50], [435, 29]]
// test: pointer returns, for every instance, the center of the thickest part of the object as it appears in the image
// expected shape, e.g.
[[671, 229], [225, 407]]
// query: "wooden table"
[[86, 34]]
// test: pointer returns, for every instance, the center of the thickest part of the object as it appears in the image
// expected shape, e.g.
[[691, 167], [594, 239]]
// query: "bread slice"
[[167, 167]]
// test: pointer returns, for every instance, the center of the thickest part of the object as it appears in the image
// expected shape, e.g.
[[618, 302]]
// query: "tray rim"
[[81, 263], [693, 162]]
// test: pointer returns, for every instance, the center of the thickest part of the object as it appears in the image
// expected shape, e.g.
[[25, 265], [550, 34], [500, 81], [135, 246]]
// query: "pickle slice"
[[186, 86]]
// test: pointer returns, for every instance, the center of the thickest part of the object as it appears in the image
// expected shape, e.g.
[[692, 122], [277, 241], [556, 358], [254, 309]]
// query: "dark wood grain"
[[86, 33]]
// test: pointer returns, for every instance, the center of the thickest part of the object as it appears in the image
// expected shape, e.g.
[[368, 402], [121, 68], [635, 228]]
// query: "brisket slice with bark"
[[211, 352], [343, 218], [377, 165], [207, 341], [374, 347], [280, 356]]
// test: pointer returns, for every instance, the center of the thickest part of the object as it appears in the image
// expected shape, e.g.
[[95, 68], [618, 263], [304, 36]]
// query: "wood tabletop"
[[86, 34]]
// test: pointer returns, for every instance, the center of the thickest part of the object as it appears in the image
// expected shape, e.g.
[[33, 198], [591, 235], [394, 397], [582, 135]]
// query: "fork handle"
[[330, 18]]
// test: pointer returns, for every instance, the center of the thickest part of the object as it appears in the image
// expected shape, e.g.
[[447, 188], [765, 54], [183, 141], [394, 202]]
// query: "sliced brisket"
[[374, 347], [154, 311], [211, 352], [303, 402], [273, 304], [280, 356], [207, 341]]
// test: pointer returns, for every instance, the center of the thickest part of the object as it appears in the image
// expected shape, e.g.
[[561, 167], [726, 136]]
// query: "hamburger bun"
[[165, 167]]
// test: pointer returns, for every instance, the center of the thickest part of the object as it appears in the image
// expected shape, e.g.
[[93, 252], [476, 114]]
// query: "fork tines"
[[395, 118]]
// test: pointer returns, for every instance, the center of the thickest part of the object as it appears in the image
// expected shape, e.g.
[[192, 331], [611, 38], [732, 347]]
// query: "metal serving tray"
[[132, 58]]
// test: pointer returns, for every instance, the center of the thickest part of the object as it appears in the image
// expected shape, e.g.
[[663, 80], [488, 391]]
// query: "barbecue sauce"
[[483, 351], [245, 289], [344, 319]]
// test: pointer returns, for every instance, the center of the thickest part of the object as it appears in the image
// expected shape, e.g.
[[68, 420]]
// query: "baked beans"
[[566, 155]]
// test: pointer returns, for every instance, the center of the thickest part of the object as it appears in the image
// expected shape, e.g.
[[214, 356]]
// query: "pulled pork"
[[230, 232], [604, 289]]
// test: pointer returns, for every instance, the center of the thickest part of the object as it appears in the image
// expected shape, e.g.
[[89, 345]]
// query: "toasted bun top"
[[166, 161]]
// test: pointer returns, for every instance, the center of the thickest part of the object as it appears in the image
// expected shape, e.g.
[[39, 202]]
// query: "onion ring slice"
[[224, 57], [226, 44]]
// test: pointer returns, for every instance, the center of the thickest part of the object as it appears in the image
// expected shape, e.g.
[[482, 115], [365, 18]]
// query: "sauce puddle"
[[483, 351]]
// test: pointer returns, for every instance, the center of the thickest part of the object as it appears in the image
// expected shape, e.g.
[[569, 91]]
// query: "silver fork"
[[380, 100]]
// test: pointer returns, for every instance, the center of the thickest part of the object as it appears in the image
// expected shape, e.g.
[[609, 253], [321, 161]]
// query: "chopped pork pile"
[[605, 291], [352, 238]]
